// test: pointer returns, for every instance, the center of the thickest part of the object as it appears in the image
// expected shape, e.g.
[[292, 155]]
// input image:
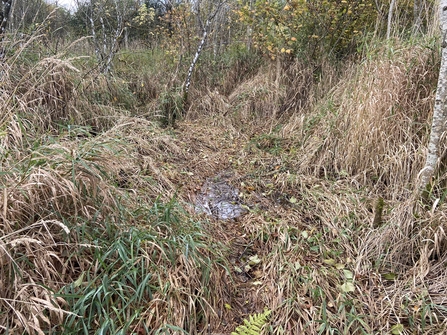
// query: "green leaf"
[[397, 329], [78, 281], [254, 260], [329, 261], [292, 200], [389, 276], [348, 274], [348, 287]]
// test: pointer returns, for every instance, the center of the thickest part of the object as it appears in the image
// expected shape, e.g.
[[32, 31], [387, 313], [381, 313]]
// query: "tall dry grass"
[[371, 130], [373, 125], [76, 174], [92, 239], [357, 135]]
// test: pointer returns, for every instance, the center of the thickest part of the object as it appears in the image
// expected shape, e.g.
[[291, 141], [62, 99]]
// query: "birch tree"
[[440, 107], [205, 31], [417, 15], [106, 20], [390, 19], [5, 10], [4, 15]]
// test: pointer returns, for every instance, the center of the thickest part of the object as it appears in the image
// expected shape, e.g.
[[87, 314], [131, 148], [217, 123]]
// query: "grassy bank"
[[99, 232]]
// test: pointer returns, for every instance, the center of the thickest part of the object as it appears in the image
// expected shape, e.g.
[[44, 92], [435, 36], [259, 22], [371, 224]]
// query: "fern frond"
[[254, 324]]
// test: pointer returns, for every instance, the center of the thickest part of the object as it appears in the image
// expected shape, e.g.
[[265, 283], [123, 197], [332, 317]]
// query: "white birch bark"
[[199, 49], [4, 15], [390, 19], [439, 110], [417, 14], [110, 32], [95, 41], [196, 58], [5, 11]]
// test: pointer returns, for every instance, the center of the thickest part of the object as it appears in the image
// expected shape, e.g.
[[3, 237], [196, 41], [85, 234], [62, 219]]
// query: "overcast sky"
[[65, 3]]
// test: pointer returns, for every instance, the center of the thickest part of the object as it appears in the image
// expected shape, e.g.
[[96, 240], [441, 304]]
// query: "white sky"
[[69, 4]]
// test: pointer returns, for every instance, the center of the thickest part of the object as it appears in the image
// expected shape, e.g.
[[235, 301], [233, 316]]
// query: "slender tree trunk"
[[95, 39], [4, 16], [440, 108], [126, 38], [106, 48], [195, 59], [417, 15], [205, 31], [250, 29], [390, 19], [5, 10]]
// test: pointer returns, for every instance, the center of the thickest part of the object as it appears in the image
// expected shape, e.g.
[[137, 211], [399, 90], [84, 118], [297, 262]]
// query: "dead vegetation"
[[98, 225]]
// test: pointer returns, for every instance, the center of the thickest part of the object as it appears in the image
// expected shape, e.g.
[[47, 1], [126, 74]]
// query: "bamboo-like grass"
[[98, 231]]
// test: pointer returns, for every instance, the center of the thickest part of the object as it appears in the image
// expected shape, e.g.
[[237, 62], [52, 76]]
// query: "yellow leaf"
[[348, 287], [288, 51], [286, 7], [329, 261], [253, 260], [78, 281], [228, 306], [389, 276], [397, 329], [348, 274], [283, 50]]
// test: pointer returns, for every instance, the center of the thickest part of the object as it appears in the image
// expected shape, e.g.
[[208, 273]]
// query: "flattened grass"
[[99, 232]]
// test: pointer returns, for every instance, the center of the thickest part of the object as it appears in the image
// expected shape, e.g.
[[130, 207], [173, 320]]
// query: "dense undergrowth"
[[98, 181]]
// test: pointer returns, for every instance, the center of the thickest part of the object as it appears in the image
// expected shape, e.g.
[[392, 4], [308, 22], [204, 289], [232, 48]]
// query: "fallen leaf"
[[78, 281], [329, 261], [253, 260], [348, 274], [397, 329], [348, 287], [389, 276], [238, 269]]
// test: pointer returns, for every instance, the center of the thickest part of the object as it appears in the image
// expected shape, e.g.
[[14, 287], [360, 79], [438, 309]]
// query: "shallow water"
[[219, 199]]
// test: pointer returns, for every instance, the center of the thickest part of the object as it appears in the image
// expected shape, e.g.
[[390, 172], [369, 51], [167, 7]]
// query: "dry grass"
[[380, 110], [99, 231], [364, 141]]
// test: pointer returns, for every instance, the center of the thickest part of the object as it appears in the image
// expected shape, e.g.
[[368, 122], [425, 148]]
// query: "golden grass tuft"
[[32, 268], [374, 124], [97, 214]]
